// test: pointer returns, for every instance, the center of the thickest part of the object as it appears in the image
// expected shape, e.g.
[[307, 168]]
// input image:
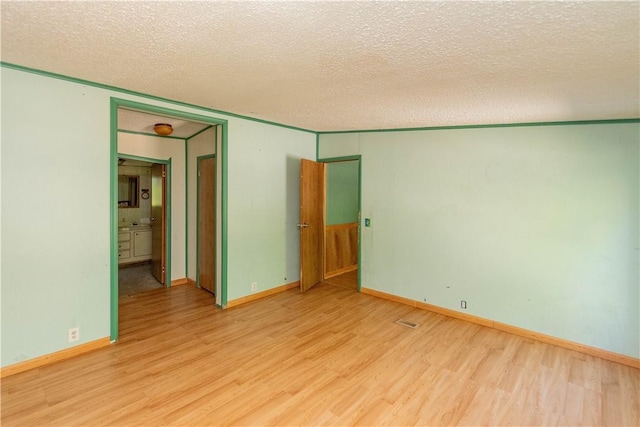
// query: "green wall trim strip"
[[113, 258], [186, 209], [185, 104], [144, 95], [340, 159], [133, 105], [168, 252], [142, 159], [199, 132], [359, 222], [496, 125], [224, 160], [150, 134], [211, 110]]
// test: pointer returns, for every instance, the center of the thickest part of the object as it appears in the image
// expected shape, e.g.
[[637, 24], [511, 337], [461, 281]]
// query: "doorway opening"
[[177, 268], [142, 227], [330, 204], [342, 228]]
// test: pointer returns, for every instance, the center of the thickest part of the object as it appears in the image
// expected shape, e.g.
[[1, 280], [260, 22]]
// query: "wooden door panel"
[[311, 223], [158, 221], [206, 224]]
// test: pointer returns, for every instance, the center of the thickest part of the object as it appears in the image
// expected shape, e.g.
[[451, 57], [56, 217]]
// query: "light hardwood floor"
[[331, 356], [347, 280]]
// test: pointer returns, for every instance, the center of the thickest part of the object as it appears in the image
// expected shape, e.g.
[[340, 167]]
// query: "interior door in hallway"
[[206, 223], [311, 224], [158, 221]]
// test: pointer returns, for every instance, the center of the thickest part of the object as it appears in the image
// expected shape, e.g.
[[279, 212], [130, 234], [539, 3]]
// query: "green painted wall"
[[264, 202], [534, 226], [55, 223], [342, 192]]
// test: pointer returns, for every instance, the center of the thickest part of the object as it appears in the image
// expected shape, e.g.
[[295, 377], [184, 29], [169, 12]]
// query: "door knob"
[[303, 225]]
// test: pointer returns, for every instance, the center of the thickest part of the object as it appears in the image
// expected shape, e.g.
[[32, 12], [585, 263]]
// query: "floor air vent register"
[[406, 323]]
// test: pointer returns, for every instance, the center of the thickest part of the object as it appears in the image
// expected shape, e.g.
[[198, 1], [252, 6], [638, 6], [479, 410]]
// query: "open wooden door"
[[311, 224], [206, 224], [158, 221]]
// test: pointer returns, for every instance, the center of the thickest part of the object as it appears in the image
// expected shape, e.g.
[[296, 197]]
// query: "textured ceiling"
[[347, 65]]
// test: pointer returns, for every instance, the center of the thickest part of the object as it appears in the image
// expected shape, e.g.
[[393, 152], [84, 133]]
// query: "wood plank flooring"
[[347, 280], [330, 356]]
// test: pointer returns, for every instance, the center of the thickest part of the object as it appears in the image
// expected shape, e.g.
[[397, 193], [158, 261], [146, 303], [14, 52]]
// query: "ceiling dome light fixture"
[[163, 129]]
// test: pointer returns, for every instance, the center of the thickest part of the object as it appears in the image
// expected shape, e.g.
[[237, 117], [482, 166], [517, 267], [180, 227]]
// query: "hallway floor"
[[136, 278]]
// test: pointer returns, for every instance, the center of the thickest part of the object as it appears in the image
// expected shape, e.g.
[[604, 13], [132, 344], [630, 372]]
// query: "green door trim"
[[116, 103]]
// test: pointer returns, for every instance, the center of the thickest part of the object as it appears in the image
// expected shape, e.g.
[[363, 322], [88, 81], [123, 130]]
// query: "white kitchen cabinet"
[[134, 245], [142, 243], [124, 247]]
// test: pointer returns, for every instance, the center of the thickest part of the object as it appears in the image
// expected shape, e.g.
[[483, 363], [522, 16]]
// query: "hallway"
[[136, 278]]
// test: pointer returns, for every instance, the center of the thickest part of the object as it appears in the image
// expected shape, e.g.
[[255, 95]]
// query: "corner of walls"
[[40, 128], [264, 191], [533, 226]]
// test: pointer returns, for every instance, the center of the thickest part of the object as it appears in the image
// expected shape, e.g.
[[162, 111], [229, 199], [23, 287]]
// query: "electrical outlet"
[[74, 334], [254, 286], [463, 304]]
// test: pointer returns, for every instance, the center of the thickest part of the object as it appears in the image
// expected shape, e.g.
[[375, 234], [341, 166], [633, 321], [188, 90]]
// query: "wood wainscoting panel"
[[341, 248]]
